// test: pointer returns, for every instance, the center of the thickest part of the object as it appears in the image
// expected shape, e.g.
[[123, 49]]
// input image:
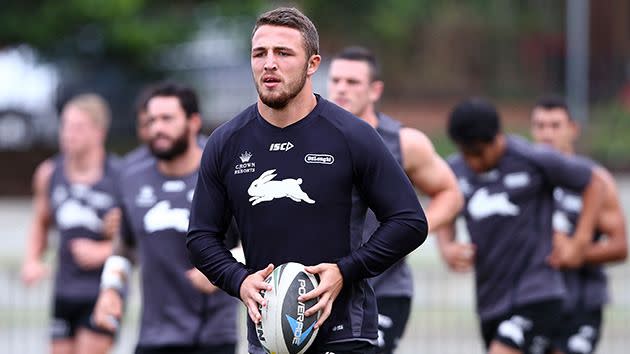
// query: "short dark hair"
[[473, 121], [553, 102], [186, 96], [292, 18], [140, 103], [363, 54]]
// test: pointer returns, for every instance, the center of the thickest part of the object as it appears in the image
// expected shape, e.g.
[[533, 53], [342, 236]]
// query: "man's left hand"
[[330, 285]]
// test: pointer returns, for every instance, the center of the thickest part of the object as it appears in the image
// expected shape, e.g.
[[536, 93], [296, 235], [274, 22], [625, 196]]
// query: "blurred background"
[[433, 53]]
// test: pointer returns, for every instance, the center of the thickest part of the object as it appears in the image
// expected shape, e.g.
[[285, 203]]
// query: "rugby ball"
[[283, 328]]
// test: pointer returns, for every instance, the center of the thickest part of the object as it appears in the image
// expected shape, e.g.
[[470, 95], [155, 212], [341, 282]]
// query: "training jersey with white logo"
[[296, 205], [398, 279], [78, 211], [508, 214], [156, 211], [586, 286]]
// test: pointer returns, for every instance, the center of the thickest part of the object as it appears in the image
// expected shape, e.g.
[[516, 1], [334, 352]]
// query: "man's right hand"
[[108, 310], [33, 271], [250, 291], [460, 257]]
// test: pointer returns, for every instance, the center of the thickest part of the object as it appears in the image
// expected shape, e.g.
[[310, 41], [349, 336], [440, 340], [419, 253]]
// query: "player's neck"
[[297, 109], [184, 164], [568, 150], [370, 117], [85, 167]]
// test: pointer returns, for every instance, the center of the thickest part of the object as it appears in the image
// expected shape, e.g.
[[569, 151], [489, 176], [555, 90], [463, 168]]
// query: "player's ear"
[[195, 123], [313, 64], [376, 90], [576, 129]]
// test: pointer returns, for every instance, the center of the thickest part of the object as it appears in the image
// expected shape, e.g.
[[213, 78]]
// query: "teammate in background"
[[142, 131], [552, 124], [182, 311], [321, 154], [508, 189], [73, 191], [354, 83]]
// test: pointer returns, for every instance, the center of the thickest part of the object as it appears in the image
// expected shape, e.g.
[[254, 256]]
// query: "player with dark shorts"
[[287, 168], [355, 84], [508, 189], [587, 291], [182, 311], [73, 192]]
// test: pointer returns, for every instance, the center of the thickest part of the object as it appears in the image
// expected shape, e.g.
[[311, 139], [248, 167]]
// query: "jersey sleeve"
[[561, 170], [125, 231], [386, 189], [232, 235], [210, 218]]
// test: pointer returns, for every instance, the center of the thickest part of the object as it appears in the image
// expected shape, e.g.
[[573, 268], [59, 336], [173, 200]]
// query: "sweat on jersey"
[[587, 285], [77, 212], [291, 192], [508, 213], [397, 280], [155, 215]]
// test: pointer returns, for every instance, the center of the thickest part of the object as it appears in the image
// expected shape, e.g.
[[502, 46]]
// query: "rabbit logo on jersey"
[[264, 189]]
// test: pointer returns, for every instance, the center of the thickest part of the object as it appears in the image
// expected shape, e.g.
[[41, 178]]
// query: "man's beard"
[[179, 147], [282, 99]]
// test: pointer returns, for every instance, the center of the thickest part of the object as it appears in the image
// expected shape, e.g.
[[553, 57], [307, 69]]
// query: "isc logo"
[[281, 146]]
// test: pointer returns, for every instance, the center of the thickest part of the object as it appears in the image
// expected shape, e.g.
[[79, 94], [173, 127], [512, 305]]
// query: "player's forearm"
[[37, 243], [593, 198], [213, 259], [445, 235], [615, 247], [443, 208], [393, 240], [605, 252]]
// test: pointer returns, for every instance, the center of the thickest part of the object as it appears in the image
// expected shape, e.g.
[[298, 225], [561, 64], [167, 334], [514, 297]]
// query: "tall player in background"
[[321, 155], [552, 124], [73, 191], [508, 189], [354, 83], [182, 311]]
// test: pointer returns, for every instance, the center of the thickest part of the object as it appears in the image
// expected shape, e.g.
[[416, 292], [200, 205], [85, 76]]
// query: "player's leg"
[[489, 329], [497, 347], [89, 338], [582, 334], [564, 332], [530, 329], [90, 342], [62, 327], [62, 346], [393, 314]]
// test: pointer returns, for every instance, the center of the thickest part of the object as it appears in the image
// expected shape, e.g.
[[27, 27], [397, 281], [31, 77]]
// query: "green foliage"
[[608, 135], [128, 31]]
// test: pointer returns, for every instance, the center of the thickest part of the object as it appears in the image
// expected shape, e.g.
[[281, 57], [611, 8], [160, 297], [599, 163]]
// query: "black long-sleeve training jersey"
[[290, 190]]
